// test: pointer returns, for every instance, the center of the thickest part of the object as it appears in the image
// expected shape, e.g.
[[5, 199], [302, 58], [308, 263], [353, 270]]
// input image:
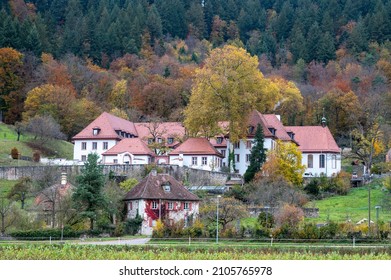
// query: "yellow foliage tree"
[[285, 162], [227, 88], [290, 104]]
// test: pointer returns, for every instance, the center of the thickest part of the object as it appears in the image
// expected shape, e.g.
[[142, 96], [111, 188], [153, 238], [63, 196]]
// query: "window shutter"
[[190, 206], [150, 222], [182, 205]]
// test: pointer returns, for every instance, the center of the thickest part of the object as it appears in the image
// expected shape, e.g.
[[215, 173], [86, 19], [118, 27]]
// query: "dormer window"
[[219, 140], [166, 186], [250, 129], [170, 140], [150, 140], [95, 131], [291, 135], [272, 130]]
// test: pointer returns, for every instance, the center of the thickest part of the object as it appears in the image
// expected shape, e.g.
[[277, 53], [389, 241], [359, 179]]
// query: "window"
[[159, 140], [250, 130], [84, 145], [194, 161], [154, 204], [219, 140], [237, 158], [248, 158], [186, 206], [170, 140], [94, 145], [170, 206], [322, 161], [105, 145], [310, 163], [83, 158], [204, 160], [166, 187], [95, 130], [115, 160], [150, 140], [237, 145], [223, 152], [248, 144], [334, 161]]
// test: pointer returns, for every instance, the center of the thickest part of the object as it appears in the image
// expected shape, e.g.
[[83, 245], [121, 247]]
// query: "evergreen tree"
[[154, 23], [358, 39], [313, 38], [88, 197], [326, 48], [258, 155]]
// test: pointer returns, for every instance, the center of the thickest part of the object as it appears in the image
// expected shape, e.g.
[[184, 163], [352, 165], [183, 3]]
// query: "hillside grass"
[[353, 206], [5, 187], [26, 147]]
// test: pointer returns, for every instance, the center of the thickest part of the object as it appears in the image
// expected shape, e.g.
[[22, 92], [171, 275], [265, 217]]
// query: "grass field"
[[8, 140], [353, 206]]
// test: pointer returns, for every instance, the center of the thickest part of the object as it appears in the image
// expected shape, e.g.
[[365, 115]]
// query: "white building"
[[160, 196], [197, 153], [105, 136], [129, 151], [321, 154]]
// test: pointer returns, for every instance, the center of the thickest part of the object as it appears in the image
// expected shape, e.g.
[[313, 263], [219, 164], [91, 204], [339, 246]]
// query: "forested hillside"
[[73, 59]]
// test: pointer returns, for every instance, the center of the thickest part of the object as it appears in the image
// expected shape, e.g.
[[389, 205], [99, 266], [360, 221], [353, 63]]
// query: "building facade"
[[161, 197]]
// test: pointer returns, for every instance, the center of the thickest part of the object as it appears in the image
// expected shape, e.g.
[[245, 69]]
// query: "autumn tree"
[[228, 88], [230, 210], [285, 162], [21, 190], [290, 105], [10, 78], [44, 129]]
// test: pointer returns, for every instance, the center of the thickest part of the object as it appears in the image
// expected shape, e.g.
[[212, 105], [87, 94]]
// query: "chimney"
[[153, 172], [63, 178]]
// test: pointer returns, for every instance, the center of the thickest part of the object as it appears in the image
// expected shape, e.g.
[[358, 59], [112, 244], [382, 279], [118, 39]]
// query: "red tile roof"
[[151, 188], [196, 146], [256, 118], [273, 121], [314, 139], [108, 124], [133, 146]]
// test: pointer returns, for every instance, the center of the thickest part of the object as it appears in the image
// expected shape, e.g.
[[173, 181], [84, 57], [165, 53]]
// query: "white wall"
[[187, 160], [332, 167], [78, 152], [242, 151], [175, 215]]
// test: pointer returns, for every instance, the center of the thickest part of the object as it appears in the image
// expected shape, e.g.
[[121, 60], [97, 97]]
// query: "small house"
[[161, 196]]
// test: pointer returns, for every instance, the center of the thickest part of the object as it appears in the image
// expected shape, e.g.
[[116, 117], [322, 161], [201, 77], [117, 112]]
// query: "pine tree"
[[258, 155], [88, 197]]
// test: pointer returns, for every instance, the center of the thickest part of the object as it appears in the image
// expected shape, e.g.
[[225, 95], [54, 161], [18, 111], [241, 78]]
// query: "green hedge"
[[53, 233]]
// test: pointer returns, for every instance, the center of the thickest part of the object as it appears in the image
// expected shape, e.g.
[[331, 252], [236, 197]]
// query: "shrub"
[[313, 187], [36, 156], [158, 229], [309, 231], [133, 226], [119, 229], [14, 153], [289, 215], [265, 220], [328, 231]]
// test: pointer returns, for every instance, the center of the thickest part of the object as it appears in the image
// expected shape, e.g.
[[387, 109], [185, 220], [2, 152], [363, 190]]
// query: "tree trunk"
[[91, 223]]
